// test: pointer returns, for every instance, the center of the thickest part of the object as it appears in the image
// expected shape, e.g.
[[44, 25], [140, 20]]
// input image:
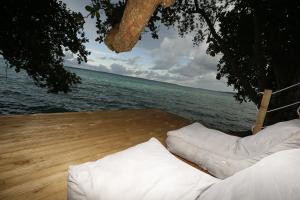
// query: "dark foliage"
[[263, 37], [258, 41], [34, 35]]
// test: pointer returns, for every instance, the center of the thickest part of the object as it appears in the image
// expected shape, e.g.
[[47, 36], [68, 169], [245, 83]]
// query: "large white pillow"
[[276, 177], [223, 155], [269, 138], [143, 172]]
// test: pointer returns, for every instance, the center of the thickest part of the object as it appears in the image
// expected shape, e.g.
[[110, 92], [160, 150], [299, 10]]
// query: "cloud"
[[169, 59], [148, 43], [198, 65], [116, 59], [120, 69], [133, 60], [73, 63], [178, 55], [170, 53], [205, 80], [209, 82], [91, 60], [185, 64], [101, 68], [130, 61], [69, 55]]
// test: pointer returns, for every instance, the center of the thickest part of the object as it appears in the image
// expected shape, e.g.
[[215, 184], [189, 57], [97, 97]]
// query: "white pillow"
[[270, 137], [223, 155], [209, 139], [276, 177], [143, 172]]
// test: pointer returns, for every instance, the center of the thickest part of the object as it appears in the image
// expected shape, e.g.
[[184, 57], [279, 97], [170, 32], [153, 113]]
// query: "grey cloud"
[[170, 52], [164, 64], [147, 74], [119, 69], [113, 68], [139, 72], [69, 55], [174, 59], [209, 81], [148, 43], [134, 60], [91, 60], [197, 66], [73, 63], [174, 51], [165, 77], [187, 71], [101, 68], [117, 59], [130, 61], [104, 58]]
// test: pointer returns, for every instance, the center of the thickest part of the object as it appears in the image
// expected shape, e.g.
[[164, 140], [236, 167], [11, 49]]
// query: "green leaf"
[[89, 8], [97, 15]]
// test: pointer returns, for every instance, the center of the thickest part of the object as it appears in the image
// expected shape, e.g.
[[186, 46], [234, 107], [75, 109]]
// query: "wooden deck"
[[36, 150]]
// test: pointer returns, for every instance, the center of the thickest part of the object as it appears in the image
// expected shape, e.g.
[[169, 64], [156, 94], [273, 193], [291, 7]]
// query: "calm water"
[[102, 91]]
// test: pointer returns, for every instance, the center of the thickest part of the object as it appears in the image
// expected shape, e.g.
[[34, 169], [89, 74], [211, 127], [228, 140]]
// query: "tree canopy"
[[258, 41], [35, 35]]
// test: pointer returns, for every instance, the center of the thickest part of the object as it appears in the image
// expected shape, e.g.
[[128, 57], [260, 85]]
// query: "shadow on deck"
[[36, 150]]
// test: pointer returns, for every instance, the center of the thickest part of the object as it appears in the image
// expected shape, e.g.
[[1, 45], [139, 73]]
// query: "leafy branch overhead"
[[258, 40], [35, 35]]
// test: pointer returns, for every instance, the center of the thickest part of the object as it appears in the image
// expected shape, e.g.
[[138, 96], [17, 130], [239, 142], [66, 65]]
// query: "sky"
[[169, 59]]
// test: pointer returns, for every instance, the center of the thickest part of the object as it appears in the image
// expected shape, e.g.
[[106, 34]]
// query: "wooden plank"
[[36, 150], [261, 115]]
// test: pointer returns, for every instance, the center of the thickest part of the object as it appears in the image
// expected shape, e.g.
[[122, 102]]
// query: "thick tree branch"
[[234, 66], [208, 22]]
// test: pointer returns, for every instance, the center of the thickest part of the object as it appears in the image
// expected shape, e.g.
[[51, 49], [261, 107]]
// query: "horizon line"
[[88, 69]]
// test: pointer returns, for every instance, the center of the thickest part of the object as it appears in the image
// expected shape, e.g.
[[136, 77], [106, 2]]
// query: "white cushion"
[[223, 155], [268, 138], [143, 172], [276, 177]]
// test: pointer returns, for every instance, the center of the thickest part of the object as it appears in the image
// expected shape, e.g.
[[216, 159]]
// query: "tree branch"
[[236, 71], [208, 22]]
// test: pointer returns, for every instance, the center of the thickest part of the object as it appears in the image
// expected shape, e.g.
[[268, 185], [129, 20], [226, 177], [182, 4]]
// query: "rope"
[[278, 91], [282, 107], [283, 89], [256, 106]]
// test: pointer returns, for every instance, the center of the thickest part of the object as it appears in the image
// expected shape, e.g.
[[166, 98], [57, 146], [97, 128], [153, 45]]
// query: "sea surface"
[[104, 91]]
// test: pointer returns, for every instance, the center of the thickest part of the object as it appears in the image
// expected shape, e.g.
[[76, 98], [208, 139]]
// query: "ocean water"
[[103, 91]]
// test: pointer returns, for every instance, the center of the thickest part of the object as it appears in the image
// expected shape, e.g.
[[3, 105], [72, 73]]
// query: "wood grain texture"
[[36, 150]]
